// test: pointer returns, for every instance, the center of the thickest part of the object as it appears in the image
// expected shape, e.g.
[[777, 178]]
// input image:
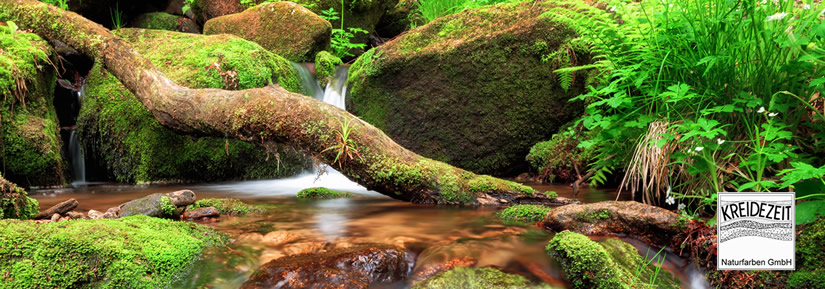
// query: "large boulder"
[[30, 146], [121, 134], [285, 28], [204, 10], [471, 88], [133, 252], [353, 267]]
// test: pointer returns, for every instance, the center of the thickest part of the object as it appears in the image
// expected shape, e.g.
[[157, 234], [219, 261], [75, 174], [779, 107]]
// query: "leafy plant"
[[345, 148], [701, 96], [117, 17], [429, 10], [341, 41], [187, 6]]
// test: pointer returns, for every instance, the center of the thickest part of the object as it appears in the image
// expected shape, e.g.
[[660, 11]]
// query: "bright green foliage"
[[156, 20], [131, 252], [645, 273], [586, 264], [321, 193], [62, 4], [476, 278], [14, 202], [232, 207], [325, 64], [429, 10], [166, 206], [341, 42], [524, 213], [689, 79], [137, 148], [29, 141]]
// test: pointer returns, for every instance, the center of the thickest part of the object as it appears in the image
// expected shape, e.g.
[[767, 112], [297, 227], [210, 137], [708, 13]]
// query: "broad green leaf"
[[807, 212]]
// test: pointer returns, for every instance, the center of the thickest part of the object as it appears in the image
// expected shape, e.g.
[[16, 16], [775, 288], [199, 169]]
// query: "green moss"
[[166, 206], [529, 214], [14, 202], [586, 263], [321, 193], [137, 148], [325, 64], [232, 207], [30, 149], [157, 20], [643, 274], [551, 194], [810, 257], [131, 252], [476, 98], [806, 279], [476, 278]]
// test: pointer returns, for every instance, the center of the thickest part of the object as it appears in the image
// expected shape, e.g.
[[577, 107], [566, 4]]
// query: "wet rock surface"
[[354, 267], [156, 205], [648, 223], [206, 212]]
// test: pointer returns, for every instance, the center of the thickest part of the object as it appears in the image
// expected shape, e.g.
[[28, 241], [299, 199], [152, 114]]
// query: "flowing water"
[[434, 234], [78, 160]]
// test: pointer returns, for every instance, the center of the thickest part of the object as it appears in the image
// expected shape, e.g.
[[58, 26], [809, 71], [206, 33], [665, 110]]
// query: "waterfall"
[[78, 160], [308, 81], [336, 89]]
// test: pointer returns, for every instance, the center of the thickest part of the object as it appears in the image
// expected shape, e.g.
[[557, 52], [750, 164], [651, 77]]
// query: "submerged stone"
[[133, 252], [122, 136], [470, 89], [285, 28], [354, 267], [31, 147], [477, 278]]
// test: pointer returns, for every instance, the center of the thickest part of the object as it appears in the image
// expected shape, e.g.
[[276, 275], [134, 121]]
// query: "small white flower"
[[764, 2], [699, 149], [720, 141], [772, 114], [612, 9], [670, 5], [806, 6], [777, 16], [682, 206], [670, 200], [761, 109], [821, 12]]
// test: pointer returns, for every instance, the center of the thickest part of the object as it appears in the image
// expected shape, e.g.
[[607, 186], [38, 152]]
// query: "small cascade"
[[308, 81], [78, 160], [336, 90]]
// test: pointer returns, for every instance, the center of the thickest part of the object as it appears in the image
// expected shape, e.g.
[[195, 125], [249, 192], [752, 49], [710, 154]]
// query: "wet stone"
[[205, 212]]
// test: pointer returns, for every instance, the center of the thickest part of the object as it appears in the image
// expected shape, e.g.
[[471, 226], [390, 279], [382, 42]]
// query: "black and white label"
[[755, 231]]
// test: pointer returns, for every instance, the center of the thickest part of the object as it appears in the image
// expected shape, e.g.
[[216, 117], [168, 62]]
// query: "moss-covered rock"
[[476, 278], [131, 252], [14, 202], [810, 258], [30, 146], [232, 207], [165, 21], [321, 193], [471, 88], [610, 264], [325, 64], [285, 28], [127, 140], [524, 213]]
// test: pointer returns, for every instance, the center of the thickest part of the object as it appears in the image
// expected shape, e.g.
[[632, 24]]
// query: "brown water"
[[434, 234]]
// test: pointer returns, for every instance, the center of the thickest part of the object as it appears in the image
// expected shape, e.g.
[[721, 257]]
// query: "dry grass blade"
[[648, 170]]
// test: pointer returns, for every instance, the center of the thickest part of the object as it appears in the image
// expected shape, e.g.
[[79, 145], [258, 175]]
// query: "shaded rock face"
[[285, 28], [398, 19], [478, 95], [165, 21], [649, 223], [363, 14], [208, 9], [158, 205], [100, 11], [30, 145], [354, 267], [121, 135]]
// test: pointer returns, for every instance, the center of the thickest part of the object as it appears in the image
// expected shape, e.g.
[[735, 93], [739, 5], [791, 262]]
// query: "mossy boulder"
[[325, 64], [610, 264], [30, 145], [125, 138], [131, 252], [14, 202], [321, 193], [285, 28], [529, 214], [165, 21], [471, 88], [231, 207], [810, 258], [477, 278]]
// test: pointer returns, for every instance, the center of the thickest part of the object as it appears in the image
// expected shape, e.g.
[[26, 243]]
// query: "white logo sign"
[[755, 231]]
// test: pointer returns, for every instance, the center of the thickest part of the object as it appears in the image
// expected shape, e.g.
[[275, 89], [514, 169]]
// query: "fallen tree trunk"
[[271, 114]]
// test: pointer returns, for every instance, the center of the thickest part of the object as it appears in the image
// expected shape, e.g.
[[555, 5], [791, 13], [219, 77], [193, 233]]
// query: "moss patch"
[[325, 64], [15, 203], [30, 146], [165, 21], [284, 28], [476, 278], [321, 193], [131, 252], [586, 263], [232, 207], [529, 214], [810, 257], [472, 95], [135, 147]]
